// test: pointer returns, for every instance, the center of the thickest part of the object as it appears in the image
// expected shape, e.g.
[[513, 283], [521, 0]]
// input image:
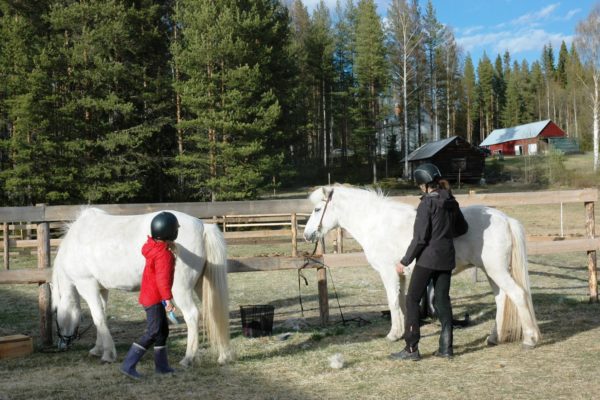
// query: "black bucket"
[[257, 320]]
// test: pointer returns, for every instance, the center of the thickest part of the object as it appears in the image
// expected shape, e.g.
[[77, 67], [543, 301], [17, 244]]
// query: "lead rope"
[[308, 260]]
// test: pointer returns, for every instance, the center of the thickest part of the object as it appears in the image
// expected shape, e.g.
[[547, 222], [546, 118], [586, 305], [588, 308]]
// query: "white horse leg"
[[499, 298], [97, 350], [518, 296], [395, 291], [90, 292], [185, 302]]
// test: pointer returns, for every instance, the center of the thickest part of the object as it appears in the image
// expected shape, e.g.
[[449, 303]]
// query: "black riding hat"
[[427, 173], [164, 226]]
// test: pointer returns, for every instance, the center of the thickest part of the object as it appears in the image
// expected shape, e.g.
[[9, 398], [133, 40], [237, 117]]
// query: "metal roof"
[[526, 131], [428, 150]]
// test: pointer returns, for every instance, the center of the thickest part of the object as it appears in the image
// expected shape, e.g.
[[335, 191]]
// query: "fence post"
[[6, 244], [322, 286], [590, 230], [294, 228], [44, 298]]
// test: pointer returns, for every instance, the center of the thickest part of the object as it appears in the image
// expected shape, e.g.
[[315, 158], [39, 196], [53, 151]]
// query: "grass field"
[[564, 365]]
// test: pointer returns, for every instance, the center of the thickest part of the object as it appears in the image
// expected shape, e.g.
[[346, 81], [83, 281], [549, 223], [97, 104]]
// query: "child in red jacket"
[[155, 295]]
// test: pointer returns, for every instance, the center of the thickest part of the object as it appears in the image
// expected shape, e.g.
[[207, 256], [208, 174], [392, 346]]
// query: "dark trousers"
[[157, 328], [416, 289]]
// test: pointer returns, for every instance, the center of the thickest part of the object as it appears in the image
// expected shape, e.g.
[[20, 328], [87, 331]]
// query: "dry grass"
[[563, 366]]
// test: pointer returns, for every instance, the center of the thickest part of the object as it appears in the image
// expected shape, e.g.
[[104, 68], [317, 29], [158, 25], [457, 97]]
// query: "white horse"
[[384, 229], [102, 252]]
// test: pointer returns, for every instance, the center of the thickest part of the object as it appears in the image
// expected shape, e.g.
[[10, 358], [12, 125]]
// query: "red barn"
[[523, 139]]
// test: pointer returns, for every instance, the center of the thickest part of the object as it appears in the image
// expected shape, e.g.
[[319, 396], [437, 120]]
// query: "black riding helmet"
[[427, 173], [164, 226]]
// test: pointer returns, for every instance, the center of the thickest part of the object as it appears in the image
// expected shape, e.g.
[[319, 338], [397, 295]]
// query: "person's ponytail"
[[444, 184]]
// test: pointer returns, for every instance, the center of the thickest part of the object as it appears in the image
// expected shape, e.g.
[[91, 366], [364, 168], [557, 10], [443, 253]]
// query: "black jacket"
[[439, 220]]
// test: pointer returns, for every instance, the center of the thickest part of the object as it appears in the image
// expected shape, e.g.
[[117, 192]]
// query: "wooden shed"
[[456, 158], [528, 139]]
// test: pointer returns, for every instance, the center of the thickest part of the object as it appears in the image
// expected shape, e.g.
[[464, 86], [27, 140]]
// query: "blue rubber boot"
[[134, 355], [161, 362]]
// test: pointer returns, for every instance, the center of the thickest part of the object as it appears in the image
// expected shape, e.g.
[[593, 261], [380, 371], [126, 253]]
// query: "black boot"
[[135, 353], [160, 361], [445, 350], [406, 354]]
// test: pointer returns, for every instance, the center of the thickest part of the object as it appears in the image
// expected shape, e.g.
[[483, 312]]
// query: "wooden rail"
[[43, 215], [337, 260]]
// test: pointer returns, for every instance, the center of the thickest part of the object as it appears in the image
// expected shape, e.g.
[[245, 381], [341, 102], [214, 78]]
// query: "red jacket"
[[157, 279]]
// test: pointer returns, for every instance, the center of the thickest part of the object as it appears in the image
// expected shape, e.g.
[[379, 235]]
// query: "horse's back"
[[108, 247], [489, 235]]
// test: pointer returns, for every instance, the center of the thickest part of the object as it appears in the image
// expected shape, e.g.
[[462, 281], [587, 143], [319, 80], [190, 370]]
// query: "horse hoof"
[[95, 353], [185, 363], [491, 342], [109, 358], [527, 346], [393, 338]]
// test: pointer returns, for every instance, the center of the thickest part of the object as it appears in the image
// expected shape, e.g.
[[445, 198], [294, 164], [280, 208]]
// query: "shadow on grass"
[[74, 374]]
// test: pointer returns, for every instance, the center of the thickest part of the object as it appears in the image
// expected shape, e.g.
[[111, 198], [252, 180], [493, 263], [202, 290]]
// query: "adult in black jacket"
[[438, 221]]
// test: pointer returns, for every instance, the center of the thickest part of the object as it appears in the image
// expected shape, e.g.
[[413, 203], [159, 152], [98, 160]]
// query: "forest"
[[116, 101]]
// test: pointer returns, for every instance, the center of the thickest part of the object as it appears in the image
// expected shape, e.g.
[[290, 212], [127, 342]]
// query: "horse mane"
[[375, 197]]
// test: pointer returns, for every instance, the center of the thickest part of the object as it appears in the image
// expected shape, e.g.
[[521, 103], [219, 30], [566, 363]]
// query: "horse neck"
[[353, 210], [373, 221], [63, 288]]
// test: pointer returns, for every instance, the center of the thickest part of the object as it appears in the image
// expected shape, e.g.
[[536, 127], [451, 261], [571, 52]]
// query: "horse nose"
[[309, 236], [62, 345]]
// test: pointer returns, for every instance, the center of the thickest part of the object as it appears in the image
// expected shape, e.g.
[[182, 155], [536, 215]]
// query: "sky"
[[520, 26]]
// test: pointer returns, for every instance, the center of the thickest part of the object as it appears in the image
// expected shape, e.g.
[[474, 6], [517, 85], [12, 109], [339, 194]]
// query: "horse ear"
[[326, 191]]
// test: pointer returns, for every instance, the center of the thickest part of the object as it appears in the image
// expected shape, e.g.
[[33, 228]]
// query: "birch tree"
[[405, 40], [588, 43]]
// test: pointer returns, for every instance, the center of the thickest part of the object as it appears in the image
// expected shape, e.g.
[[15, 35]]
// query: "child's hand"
[[169, 306]]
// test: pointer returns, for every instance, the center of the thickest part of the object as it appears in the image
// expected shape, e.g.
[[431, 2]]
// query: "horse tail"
[[215, 293], [511, 329]]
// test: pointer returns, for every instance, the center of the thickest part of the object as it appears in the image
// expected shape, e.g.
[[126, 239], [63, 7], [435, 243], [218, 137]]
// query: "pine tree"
[[549, 75], [512, 113], [320, 47], [109, 106], [561, 68], [574, 70], [227, 91], [500, 87], [434, 37], [485, 74], [372, 75], [344, 83], [470, 91], [527, 94], [305, 146]]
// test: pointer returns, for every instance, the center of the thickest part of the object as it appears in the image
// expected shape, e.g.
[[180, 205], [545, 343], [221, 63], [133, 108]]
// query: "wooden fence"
[[277, 212]]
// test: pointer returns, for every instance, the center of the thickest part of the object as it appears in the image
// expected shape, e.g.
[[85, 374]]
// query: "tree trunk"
[[575, 115], [596, 110], [405, 112]]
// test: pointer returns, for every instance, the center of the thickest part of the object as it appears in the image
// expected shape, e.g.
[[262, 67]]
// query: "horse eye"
[[317, 209]]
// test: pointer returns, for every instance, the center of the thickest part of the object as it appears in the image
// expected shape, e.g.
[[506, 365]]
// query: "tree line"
[[180, 100]]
